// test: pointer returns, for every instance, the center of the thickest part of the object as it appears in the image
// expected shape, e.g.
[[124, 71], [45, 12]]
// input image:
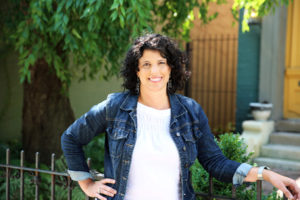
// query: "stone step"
[[282, 164], [290, 125], [285, 138], [281, 151]]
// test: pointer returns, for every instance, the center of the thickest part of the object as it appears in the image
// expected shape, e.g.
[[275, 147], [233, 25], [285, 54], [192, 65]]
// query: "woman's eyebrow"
[[143, 61], [161, 59]]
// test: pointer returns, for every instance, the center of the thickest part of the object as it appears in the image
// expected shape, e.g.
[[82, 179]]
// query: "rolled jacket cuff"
[[79, 175], [240, 174]]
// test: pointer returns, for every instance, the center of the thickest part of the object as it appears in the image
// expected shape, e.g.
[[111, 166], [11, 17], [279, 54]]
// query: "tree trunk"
[[47, 113]]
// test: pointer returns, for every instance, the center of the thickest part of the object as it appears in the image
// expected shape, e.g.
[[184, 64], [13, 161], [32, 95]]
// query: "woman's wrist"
[[84, 184], [260, 172]]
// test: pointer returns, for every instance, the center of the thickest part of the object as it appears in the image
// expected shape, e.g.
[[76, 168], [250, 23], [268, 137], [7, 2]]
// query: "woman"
[[153, 135]]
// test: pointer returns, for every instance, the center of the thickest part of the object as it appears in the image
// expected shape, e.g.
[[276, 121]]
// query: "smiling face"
[[154, 72]]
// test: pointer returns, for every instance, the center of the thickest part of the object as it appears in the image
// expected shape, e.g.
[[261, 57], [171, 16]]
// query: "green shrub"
[[234, 148]]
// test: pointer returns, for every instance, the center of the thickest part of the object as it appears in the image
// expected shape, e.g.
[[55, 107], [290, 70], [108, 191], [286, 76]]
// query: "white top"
[[155, 166]]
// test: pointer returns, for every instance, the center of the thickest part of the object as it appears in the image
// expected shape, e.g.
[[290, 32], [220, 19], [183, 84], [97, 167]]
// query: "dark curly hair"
[[168, 49]]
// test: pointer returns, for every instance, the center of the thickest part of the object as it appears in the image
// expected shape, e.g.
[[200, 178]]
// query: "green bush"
[[234, 148]]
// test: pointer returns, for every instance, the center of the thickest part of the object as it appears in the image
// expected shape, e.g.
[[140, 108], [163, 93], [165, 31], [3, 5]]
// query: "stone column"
[[256, 134]]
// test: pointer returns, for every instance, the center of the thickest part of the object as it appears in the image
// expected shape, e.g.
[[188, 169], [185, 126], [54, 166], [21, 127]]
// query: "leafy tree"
[[56, 38]]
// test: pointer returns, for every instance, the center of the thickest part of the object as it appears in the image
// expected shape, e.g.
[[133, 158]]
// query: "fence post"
[[22, 176], [7, 174], [211, 188], [36, 178], [69, 188], [53, 177], [89, 165], [233, 192], [258, 189]]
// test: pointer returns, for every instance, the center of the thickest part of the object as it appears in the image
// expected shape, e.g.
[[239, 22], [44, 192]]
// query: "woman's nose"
[[154, 68]]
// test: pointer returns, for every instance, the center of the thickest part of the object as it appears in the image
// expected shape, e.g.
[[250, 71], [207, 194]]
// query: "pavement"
[[267, 187]]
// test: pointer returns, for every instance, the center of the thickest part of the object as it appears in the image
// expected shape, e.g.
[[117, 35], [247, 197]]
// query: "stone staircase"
[[283, 150]]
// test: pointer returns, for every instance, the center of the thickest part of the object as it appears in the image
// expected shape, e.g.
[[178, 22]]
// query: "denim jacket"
[[117, 117]]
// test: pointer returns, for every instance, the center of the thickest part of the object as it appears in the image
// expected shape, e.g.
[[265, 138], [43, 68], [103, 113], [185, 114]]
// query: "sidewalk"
[[267, 187]]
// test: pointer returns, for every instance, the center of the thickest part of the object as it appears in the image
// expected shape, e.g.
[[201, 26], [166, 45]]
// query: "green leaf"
[[114, 16], [68, 4], [90, 25], [98, 4], [28, 76], [114, 5], [122, 22], [123, 11], [49, 5], [60, 6], [76, 33], [66, 19], [22, 79], [86, 13], [31, 59]]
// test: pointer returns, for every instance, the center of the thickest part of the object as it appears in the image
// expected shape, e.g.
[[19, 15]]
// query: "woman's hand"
[[287, 185], [98, 188]]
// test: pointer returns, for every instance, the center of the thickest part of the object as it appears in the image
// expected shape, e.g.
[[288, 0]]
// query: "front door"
[[292, 63]]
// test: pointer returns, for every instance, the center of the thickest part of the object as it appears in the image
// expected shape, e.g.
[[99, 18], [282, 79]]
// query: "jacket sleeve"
[[240, 174], [210, 155], [80, 133]]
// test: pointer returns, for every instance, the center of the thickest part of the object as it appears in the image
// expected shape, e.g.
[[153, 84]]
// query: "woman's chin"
[[155, 88]]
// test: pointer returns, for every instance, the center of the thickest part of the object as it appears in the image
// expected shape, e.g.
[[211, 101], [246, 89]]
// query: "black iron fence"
[[35, 173], [68, 183]]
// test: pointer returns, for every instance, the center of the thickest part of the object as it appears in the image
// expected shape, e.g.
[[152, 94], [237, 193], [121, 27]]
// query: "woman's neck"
[[157, 100]]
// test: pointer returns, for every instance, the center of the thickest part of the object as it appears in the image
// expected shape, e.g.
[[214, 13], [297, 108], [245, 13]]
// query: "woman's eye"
[[146, 65], [162, 62]]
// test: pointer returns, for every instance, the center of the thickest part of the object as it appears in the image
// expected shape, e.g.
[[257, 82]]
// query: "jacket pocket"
[[189, 137], [190, 146], [116, 140]]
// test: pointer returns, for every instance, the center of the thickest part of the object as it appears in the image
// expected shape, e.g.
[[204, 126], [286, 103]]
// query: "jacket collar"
[[130, 102], [177, 108]]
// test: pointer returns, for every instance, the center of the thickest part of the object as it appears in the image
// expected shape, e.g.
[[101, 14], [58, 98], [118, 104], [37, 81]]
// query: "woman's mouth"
[[155, 79]]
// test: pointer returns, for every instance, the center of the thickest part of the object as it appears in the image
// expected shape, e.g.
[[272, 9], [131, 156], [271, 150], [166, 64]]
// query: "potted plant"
[[261, 111]]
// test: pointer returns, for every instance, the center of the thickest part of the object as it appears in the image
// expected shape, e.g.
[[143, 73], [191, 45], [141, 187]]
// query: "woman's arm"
[[80, 133], [286, 185]]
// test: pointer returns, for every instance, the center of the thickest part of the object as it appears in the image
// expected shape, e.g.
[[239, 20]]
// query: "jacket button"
[[186, 165], [177, 134], [184, 148]]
